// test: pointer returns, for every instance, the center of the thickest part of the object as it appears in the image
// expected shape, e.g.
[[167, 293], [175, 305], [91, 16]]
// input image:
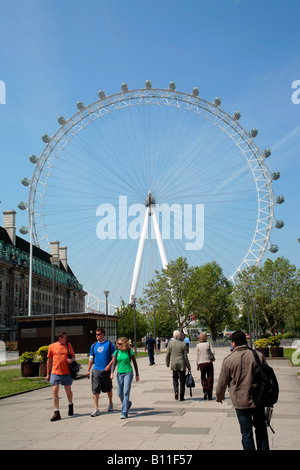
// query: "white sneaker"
[[110, 407], [95, 413]]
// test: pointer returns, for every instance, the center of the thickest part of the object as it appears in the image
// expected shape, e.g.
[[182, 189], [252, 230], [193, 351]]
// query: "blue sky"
[[54, 53]]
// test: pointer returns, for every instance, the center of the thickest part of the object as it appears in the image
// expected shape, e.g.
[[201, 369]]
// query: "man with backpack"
[[237, 373], [101, 357]]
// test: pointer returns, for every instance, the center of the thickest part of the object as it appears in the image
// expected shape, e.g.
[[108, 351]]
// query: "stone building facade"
[[14, 280]]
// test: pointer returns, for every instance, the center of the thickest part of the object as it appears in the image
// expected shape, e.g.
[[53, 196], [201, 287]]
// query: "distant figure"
[[150, 344], [187, 342]]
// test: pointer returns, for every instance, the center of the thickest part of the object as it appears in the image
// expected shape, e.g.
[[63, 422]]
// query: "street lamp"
[[106, 292], [154, 305], [133, 303], [55, 264], [246, 285], [24, 230]]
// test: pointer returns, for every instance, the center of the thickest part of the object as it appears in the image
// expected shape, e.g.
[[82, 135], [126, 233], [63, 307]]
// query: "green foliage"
[[42, 353], [262, 343], [180, 293], [275, 290], [126, 322], [274, 341], [28, 356]]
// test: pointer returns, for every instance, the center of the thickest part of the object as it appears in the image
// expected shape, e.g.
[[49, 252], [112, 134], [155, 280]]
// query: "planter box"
[[30, 369], [43, 369], [264, 351], [276, 352]]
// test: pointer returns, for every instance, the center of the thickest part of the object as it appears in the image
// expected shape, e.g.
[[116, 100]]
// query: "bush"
[[42, 353], [262, 343], [11, 345], [274, 341], [28, 356]]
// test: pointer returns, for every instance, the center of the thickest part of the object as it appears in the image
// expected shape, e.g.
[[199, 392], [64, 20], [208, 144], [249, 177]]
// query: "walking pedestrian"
[[60, 355], [176, 357], [122, 359], [205, 365], [236, 373], [101, 358], [151, 346], [187, 342]]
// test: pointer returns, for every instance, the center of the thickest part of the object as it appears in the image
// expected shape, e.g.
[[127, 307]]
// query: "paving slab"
[[156, 422]]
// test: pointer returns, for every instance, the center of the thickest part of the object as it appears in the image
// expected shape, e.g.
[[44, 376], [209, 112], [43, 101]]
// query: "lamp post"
[[106, 292], [154, 305], [246, 285], [24, 230], [133, 299], [55, 264]]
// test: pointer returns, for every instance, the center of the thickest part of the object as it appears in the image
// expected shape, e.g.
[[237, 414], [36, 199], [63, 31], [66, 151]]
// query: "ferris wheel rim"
[[233, 129]]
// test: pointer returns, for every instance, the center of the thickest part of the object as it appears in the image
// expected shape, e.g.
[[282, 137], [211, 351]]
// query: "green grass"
[[11, 382]]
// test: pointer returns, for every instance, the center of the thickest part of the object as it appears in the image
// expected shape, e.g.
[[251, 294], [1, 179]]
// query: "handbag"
[[189, 382], [211, 356], [74, 366]]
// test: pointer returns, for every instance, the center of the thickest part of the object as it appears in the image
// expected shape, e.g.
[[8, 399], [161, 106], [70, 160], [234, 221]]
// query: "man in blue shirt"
[[101, 356]]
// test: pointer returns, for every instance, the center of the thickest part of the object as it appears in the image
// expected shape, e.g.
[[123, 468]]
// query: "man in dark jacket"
[[151, 345], [236, 373], [177, 358]]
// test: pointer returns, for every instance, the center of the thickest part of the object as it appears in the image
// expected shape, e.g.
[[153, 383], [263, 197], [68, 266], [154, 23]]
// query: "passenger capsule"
[[80, 105], [25, 181], [61, 120], [195, 91], [33, 159], [24, 229], [22, 205], [274, 248], [101, 94], [253, 133], [280, 199], [279, 224], [275, 175], [46, 138]]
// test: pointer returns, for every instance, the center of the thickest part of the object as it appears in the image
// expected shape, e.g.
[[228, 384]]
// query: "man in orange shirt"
[[60, 355]]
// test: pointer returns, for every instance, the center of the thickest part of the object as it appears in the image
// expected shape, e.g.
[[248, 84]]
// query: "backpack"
[[128, 350], [264, 389]]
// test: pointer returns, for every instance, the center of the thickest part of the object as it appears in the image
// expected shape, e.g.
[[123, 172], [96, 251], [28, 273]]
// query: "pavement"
[[156, 422]]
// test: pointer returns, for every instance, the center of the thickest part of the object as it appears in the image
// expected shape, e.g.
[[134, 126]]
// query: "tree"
[[210, 297], [169, 292], [275, 287], [126, 322]]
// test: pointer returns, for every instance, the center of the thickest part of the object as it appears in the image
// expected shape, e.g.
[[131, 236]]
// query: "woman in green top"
[[123, 357]]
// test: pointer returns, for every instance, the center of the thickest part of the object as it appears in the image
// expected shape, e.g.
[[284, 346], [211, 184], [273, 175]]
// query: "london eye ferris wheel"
[[144, 176]]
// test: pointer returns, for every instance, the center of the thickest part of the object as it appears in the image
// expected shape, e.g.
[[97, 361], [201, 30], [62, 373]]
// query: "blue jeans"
[[124, 386], [253, 417]]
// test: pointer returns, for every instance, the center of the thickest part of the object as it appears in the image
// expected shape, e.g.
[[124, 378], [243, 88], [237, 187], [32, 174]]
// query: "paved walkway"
[[156, 421]]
